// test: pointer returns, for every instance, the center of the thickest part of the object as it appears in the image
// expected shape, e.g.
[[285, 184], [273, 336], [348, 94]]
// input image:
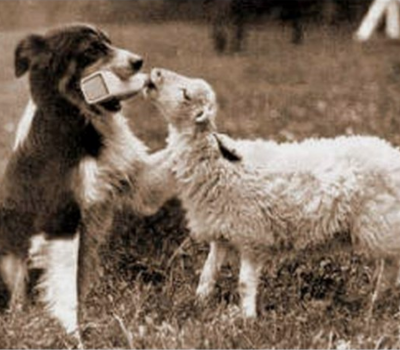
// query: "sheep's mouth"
[[150, 86], [150, 89]]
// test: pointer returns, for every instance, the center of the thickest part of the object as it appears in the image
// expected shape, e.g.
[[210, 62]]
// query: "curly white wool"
[[282, 196]]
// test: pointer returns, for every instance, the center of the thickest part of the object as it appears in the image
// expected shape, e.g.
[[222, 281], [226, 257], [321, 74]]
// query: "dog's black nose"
[[136, 64]]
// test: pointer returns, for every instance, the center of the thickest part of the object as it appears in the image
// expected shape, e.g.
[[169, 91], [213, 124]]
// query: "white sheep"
[[260, 197]]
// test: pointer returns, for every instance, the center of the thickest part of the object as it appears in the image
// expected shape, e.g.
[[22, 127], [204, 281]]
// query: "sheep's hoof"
[[201, 301], [249, 314], [203, 293], [249, 319]]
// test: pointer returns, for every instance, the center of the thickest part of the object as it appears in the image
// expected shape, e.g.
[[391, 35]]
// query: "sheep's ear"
[[26, 51], [205, 114], [201, 117], [228, 148]]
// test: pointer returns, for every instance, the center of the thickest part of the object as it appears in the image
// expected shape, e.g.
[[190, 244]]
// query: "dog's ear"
[[27, 49]]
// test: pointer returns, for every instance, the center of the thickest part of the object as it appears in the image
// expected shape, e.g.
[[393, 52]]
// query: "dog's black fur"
[[37, 192]]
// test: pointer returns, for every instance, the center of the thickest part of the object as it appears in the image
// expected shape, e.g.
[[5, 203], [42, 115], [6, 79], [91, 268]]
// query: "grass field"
[[316, 299]]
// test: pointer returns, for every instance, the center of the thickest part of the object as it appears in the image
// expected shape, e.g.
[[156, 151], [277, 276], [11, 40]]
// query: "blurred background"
[[280, 67], [17, 13], [283, 70], [229, 19]]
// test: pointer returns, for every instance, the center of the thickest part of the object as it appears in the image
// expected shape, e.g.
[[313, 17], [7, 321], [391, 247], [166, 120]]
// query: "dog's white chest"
[[24, 125], [90, 187]]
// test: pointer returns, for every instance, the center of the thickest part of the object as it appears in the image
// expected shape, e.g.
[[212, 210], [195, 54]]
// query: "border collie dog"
[[70, 162]]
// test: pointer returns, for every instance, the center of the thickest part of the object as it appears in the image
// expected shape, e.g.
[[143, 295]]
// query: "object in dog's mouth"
[[103, 86]]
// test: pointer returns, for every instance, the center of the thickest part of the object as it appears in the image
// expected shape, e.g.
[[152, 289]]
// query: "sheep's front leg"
[[209, 274], [156, 184], [250, 271]]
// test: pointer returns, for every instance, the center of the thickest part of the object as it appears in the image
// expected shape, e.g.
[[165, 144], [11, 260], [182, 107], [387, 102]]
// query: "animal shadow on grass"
[[327, 279], [322, 277], [4, 296]]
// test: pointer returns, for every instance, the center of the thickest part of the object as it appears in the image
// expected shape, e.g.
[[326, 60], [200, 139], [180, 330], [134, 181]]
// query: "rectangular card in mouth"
[[101, 86]]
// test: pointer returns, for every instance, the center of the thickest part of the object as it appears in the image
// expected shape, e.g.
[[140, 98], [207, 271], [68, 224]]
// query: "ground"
[[320, 298]]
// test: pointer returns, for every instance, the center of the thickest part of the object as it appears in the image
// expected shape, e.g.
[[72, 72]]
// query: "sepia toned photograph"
[[200, 174]]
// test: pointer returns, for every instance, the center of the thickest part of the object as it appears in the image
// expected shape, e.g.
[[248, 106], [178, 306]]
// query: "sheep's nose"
[[136, 63], [156, 75]]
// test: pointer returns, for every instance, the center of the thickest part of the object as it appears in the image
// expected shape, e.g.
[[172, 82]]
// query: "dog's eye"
[[186, 95], [97, 48], [94, 51]]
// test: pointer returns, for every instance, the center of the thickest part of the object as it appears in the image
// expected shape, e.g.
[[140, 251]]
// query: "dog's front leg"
[[59, 285], [14, 272], [95, 230]]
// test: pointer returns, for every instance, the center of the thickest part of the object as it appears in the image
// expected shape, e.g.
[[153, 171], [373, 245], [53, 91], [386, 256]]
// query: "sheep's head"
[[184, 102]]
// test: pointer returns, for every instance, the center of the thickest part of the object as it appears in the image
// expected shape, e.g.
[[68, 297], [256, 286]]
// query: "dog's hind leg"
[[59, 285], [14, 272]]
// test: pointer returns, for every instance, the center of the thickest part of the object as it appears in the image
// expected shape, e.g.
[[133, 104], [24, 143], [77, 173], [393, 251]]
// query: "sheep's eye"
[[186, 96]]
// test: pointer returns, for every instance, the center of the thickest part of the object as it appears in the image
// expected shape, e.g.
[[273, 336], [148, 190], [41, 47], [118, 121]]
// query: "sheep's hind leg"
[[397, 273], [215, 259], [250, 270]]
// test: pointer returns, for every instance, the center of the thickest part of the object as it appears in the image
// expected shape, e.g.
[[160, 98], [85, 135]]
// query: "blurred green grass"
[[315, 299]]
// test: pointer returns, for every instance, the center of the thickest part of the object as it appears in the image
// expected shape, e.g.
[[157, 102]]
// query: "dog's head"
[[184, 102], [59, 59]]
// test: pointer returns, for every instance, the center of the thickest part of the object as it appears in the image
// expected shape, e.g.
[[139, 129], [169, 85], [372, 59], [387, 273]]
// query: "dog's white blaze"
[[122, 57], [120, 64], [24, 125], [59, 284]]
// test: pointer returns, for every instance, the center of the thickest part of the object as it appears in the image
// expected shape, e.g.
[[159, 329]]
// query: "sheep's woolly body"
[[262, 197], [292, 195]]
